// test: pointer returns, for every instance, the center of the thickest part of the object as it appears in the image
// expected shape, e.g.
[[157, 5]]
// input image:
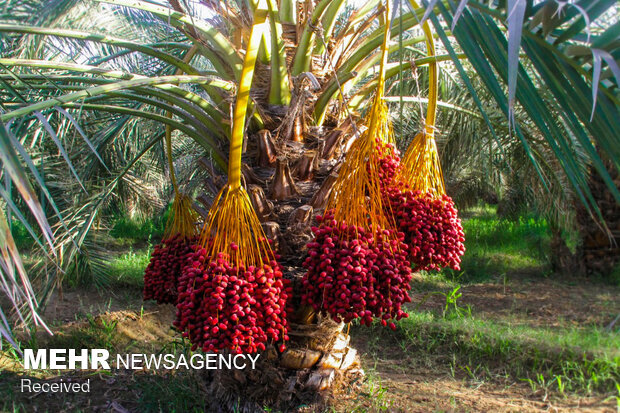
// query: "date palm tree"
[[95, 84]]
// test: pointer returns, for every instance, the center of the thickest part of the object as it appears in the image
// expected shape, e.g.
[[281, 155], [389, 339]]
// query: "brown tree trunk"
[[600, 246], [318, 357], [563, 260]]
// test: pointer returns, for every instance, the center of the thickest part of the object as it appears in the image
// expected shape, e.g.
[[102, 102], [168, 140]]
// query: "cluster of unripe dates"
[[355, 273], [164, 268], [222, 305]]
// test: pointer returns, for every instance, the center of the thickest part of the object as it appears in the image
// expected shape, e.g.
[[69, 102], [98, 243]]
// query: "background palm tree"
[[86, 87]]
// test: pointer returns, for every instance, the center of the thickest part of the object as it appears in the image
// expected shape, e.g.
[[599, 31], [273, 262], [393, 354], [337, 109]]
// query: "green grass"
[[134, 229], [567, 360], [21, 236], [593, 339], [177, 391], [377, 392], [124, 230], [614, 277], [97, 332], [145, 391], [496, 247], [581, 359], [128, 269]]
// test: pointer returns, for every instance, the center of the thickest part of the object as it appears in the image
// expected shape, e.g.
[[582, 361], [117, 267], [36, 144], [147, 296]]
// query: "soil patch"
[[396, 379], [540, 302]]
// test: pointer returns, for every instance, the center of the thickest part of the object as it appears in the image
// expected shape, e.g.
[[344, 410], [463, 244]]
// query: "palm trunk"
[[600, 249], [318, 357]]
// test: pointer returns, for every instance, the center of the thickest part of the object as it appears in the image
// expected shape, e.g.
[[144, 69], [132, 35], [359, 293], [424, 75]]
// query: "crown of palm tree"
[[93, 82]]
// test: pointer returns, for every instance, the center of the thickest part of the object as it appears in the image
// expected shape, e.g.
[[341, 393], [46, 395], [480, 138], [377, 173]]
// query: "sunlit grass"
[[580, 360], [593, 339], [21, 236], [496, 247], [133, 229], [151, 390], [128, 268]]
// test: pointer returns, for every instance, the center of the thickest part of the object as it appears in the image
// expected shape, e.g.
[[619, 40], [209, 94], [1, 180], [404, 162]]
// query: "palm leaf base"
[[289, 182], [317, 365]]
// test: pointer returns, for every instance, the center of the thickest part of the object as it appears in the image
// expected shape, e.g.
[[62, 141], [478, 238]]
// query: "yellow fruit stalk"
[[420, 165], [232, 226], [356, 195]]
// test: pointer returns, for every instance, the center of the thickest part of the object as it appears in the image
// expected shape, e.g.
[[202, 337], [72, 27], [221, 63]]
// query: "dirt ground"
[[414, 386], [400, 382], [537, 302], [396, 381]]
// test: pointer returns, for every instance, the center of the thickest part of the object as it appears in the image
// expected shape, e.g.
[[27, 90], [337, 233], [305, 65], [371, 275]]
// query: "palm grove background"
[[86, 89]]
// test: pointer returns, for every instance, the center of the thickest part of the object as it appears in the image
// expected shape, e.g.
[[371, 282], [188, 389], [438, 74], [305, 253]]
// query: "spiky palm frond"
[[546, 68], [100, 94]]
